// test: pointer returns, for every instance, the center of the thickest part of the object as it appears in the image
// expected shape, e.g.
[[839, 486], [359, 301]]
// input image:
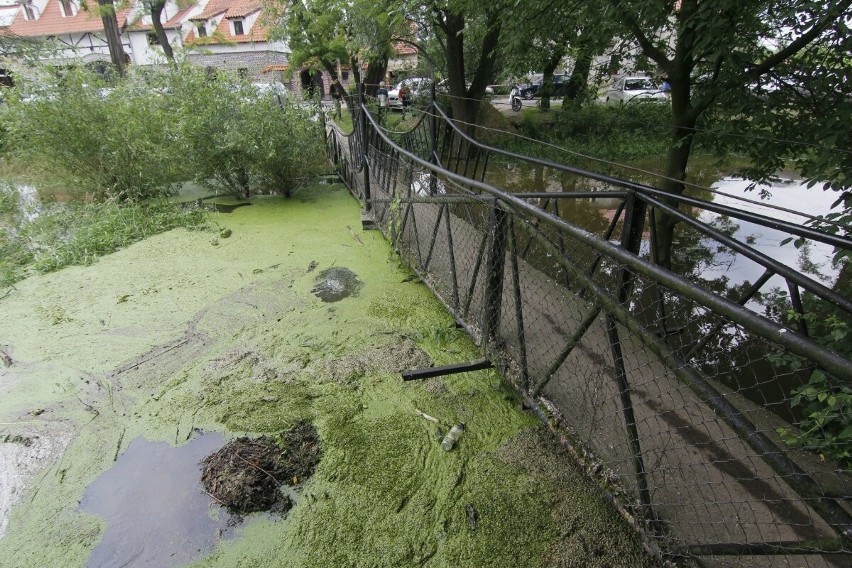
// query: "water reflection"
[[812, 258], [156, 511], [701, 257]]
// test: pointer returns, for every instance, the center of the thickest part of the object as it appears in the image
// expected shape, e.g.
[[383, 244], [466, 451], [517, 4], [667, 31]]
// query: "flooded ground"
[[114, 368], [788, 199], [155, 510]]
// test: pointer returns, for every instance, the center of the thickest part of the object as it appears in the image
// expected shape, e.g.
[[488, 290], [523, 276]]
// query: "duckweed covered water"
[[181, 332]]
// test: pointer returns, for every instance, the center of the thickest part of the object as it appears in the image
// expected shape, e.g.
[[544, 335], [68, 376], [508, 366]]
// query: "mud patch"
[[335, 284], [156, 511], [393, 358], [22, 455], [247, 475]]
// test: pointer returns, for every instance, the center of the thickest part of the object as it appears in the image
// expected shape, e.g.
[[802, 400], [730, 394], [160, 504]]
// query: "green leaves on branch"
[[825, 405], [153, 130]]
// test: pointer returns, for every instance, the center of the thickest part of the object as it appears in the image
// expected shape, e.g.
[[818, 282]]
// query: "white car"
[[630, 89], [417, 86], [273, 90]]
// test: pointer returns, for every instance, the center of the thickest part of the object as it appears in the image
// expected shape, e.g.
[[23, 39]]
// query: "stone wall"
[[254, 63]]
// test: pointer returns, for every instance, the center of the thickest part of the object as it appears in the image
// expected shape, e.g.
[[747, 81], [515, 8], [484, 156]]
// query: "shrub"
[[99, 141], [620, 133], [243, 142], [141, 136]]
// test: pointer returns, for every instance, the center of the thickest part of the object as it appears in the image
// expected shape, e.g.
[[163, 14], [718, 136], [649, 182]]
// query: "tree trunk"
[[453, 28], [376, 71], [576, 90], [113, 36], [683, 133], [463, 101], [546, 90], [156, 19]]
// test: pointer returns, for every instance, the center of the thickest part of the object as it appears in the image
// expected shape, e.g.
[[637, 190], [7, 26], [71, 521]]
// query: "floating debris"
[[472, 516], [426, 416], [334, 284], [246, 475]]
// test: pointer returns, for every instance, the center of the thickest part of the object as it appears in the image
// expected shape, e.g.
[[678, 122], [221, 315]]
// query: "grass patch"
[[344, 123], [61, 235]]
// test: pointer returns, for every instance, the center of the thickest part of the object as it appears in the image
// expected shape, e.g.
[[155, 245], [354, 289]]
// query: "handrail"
[[800, 345], [806, 232]]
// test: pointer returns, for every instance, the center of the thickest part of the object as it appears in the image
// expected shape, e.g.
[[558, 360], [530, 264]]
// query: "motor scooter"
[[515, 98]]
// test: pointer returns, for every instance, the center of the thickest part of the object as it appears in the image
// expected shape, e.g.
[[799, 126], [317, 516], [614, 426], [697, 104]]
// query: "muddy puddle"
[[156, 510]]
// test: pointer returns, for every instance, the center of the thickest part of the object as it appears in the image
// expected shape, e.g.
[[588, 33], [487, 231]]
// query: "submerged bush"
[[238, 140], [142, 135], [99, 141]]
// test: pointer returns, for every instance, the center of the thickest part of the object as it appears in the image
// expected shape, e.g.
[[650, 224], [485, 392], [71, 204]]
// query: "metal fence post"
[[494, 268], [364, 161]]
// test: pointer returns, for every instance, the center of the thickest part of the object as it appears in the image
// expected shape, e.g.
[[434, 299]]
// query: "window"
[[67, 8], [152, 39], [238, 27], [243, 72], [29, 11], [202, 31], [344, 75]]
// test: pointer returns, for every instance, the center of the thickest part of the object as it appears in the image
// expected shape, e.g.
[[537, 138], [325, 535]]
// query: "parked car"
[[629, 89], [444, 87], [560, 85], [417, 87], [273, 90]]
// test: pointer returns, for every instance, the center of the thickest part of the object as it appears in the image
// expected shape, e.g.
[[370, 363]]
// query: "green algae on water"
[[230, 338]]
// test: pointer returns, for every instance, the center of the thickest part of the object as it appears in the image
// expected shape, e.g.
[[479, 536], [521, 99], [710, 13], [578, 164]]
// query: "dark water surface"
[[156, 510]]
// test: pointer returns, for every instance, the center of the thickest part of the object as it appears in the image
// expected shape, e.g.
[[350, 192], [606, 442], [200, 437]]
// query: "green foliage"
[[100, 142], [826, 406], [148, 132], [617, 133], [232, 138], [13, 254], [78, 233]]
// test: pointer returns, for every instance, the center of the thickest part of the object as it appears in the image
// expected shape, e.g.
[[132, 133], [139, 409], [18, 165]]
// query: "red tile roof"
[[401, 48], [233, 9], [52, 22], [222, 34], [174, 22]]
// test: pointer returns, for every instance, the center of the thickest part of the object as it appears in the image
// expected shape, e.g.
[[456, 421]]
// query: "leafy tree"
[[712, 51], [453, 23], [541, 33], [323, 32]]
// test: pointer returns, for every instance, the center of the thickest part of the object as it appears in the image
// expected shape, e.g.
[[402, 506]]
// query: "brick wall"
[[254, 62]]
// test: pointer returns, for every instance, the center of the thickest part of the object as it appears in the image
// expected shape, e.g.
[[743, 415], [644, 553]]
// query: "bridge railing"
[[671, 392]]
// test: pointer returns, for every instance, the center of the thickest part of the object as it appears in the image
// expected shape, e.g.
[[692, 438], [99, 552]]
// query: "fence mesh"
[[679, 408]]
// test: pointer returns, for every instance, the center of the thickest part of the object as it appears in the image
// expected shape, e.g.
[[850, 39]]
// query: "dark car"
[[560, 85]]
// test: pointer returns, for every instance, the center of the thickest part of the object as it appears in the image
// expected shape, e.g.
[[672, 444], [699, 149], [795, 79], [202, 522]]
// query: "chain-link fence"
[[711, 409]]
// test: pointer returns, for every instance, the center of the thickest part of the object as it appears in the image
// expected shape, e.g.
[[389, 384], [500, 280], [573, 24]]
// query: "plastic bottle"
[[452, 436]]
